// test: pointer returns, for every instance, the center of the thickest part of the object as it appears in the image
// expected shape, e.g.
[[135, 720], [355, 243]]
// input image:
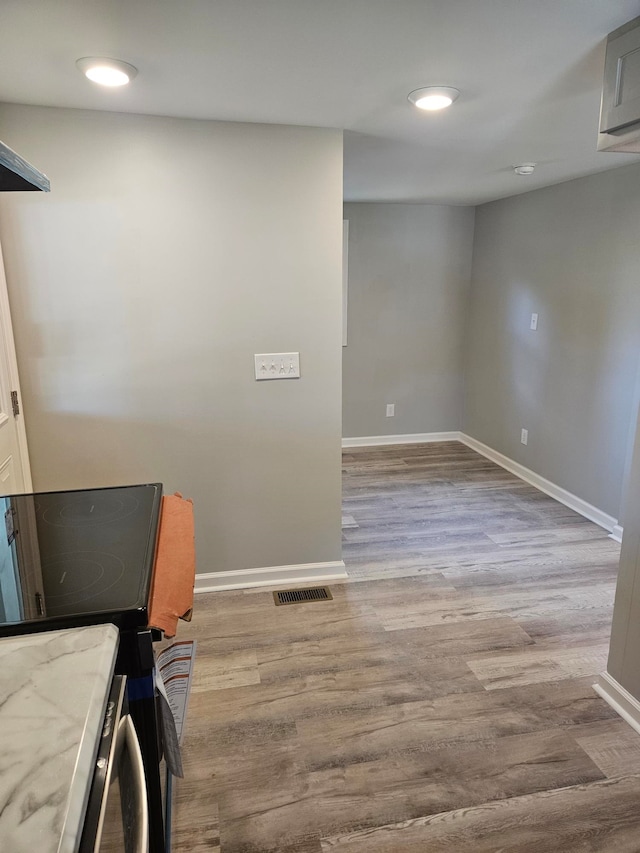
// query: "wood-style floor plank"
[[442, 701], [598, 817]]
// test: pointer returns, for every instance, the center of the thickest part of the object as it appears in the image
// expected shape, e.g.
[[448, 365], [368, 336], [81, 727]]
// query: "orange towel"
[[175, 566]]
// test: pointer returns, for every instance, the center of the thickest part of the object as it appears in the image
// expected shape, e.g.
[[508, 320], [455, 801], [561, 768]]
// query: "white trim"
[[557, 492], [271, 576], [622, 702], [616, 533], [407, 438], [12, 361], [345, 279]]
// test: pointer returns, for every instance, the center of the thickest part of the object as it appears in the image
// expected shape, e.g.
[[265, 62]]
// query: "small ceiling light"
[[433, 97], [524, 169], [106, 72]]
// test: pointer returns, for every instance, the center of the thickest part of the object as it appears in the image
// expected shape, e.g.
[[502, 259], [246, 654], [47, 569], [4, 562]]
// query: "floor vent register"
[[298, 596]]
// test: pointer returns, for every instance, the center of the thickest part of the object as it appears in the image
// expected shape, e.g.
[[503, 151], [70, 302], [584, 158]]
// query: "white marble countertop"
[[53, 693]]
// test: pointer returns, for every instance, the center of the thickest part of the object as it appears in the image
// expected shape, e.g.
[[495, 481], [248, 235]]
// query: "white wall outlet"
[[277, 365], [391, 410], [524, 436], [534, 322]]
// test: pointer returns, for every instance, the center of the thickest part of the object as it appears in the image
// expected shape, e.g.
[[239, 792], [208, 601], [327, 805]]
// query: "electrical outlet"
[[391, 410], [534, 323], [524, 436]]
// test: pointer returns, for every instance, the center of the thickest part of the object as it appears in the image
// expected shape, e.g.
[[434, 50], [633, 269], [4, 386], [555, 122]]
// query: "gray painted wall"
[[570, 253], [167, 253], [624, 650], [409, 270]]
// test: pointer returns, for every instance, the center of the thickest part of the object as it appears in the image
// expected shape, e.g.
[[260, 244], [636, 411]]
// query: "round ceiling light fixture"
[[106, 72], [524, 169], [433, 97]]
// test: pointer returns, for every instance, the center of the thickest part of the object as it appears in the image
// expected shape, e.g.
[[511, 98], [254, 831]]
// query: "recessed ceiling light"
[[106, 72], [524, 169], [433, 97]]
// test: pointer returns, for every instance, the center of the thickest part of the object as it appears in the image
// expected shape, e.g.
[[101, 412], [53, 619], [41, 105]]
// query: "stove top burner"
[[78, 576], [72, 557], [101, 509]]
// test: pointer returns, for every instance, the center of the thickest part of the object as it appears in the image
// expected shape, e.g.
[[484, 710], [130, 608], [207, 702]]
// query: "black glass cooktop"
[[77, 557]]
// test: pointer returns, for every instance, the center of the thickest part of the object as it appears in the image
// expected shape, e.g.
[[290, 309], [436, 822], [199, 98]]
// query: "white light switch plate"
[[534, 323], [277, 365]]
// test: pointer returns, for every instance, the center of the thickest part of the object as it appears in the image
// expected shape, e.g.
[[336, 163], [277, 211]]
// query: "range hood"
[[16, 175]]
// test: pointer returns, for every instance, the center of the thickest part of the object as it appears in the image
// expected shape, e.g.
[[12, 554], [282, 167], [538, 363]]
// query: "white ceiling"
[[529, 72]]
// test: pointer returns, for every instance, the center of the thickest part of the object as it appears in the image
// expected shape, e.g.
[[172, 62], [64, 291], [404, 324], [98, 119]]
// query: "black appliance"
[[117, 817], [86, 557]]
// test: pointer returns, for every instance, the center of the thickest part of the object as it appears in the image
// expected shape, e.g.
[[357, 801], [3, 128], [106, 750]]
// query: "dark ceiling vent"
[[16, 175], [297, 596]]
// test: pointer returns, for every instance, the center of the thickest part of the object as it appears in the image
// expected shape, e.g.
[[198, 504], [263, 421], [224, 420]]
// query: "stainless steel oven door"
[[117, 816]]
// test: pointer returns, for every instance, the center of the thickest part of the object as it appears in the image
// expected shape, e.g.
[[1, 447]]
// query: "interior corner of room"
[[440, 307], [441, 300]]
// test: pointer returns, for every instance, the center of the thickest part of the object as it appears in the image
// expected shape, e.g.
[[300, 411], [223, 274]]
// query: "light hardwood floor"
[[441, 702]]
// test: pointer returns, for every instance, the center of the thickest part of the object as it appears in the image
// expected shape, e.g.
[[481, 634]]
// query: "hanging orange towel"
[[175, 566]]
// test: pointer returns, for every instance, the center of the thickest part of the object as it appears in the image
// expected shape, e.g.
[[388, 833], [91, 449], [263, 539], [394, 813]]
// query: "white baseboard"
[[616, 533], [407, 438], [608, 522], [557, 492], [622, 702], [271, 576]]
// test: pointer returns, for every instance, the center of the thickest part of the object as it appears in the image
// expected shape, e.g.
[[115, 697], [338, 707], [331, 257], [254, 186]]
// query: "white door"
[[15, 474]]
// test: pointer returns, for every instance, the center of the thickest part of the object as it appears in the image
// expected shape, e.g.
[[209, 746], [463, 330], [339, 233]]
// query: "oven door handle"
[[137, 767]]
